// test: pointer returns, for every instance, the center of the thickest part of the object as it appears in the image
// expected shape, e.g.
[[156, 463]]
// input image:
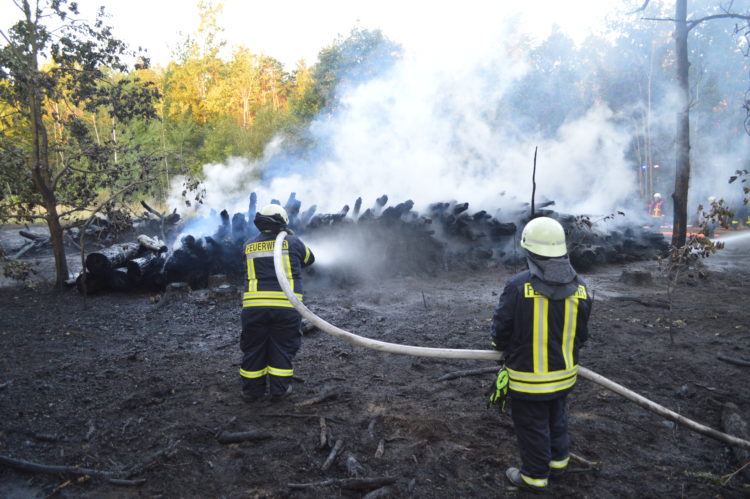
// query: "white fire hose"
[[455, 353]]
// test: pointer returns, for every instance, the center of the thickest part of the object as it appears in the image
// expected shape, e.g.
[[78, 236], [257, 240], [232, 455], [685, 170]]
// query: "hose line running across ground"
[[456, 353]]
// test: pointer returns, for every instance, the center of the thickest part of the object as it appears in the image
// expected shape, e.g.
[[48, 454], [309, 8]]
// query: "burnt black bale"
[[240, 228], [252, 206], [366, 216], [586, 257], [304, 218], [501, 230], [224, 257], [341, 214], [189, 263], [224, 231], [460, 208], [292, 208], [481, 215], [379, 203], [397, 212]]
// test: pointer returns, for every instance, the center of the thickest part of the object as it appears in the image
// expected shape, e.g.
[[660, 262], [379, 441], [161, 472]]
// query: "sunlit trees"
[[63, 131]]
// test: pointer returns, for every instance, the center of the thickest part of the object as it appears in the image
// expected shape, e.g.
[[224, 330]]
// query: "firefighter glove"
[[499, 396]]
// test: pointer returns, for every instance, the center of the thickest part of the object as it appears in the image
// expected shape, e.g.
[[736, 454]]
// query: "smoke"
[[434, 129], [438, 126]]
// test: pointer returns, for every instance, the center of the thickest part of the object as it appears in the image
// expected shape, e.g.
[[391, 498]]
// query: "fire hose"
[[456, 353]]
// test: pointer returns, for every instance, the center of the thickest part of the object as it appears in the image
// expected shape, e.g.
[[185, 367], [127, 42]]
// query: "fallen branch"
[[347, 483], [34, 237], [323, 433], [469, 372], [736, 362], [353, 467], [330, 394], [226, 437], [381, 448], [334, 452], [32, 467], [25, 249], [591, 464], [122, 481]]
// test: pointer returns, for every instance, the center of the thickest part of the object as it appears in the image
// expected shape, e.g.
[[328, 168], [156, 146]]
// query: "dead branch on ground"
[[330, 394], [334, 452], [226, 437], [347, 483], [736, 362], [595, 465], [323, 432], [114, 477]]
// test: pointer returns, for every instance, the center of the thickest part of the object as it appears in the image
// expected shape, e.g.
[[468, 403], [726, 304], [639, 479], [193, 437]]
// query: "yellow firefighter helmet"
[[544, 236]]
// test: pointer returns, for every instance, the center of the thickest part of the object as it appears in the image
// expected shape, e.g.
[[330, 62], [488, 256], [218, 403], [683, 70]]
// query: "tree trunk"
[[58, 246], [39, 161], [682, 170]]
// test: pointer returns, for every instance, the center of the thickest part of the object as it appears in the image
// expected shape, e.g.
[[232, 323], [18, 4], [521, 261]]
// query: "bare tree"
[[683, 25]]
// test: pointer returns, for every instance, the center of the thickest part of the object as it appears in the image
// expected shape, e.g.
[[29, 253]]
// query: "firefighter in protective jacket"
[[271, 333], [540, 322]]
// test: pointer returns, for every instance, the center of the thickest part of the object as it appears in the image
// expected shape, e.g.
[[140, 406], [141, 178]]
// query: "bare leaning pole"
[[455, 353]]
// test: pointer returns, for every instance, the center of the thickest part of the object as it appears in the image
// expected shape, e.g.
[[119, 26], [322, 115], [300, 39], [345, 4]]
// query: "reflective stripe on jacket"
[[263, 289], [540, 337]]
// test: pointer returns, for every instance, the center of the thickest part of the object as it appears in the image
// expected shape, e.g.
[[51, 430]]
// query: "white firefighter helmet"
[[657, 195], [270, 210], [544, 236], [711, 199]]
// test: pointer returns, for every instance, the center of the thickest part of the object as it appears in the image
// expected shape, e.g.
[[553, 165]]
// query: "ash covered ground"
[[127, 385]]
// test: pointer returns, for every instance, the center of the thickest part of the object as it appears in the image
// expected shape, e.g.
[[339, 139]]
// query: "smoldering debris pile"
[[379, 241]]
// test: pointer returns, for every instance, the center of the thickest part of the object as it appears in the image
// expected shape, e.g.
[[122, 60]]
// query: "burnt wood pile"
[[380, 240]]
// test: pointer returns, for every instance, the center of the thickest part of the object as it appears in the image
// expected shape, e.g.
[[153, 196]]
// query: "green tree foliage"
[[63, 131], [362, 56], [214, 108]]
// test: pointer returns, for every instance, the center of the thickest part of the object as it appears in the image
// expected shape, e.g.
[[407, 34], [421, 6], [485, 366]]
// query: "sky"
[[298, 29]]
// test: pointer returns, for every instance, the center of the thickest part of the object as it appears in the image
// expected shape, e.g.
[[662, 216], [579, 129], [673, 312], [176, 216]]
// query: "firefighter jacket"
[[263, 289], [540, 337], [656, 208]]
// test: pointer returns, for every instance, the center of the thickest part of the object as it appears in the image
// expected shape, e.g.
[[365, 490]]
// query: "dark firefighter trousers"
[[542, 431], [270, 339]]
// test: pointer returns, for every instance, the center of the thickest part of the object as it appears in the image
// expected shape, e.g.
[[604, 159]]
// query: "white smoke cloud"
[[431, 130]]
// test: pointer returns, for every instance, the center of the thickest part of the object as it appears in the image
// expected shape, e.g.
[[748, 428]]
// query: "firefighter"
[[271, 332], [540, 322], [656, 206]]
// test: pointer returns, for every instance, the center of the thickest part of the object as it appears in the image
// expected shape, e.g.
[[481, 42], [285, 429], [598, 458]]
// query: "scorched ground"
[[128, 386]]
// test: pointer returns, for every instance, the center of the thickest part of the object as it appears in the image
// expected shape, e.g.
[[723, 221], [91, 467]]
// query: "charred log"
[[94, 284], [101, 262], [145, 269]]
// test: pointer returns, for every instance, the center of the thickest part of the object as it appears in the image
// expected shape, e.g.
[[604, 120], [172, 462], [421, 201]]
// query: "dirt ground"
[[144, 390]]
